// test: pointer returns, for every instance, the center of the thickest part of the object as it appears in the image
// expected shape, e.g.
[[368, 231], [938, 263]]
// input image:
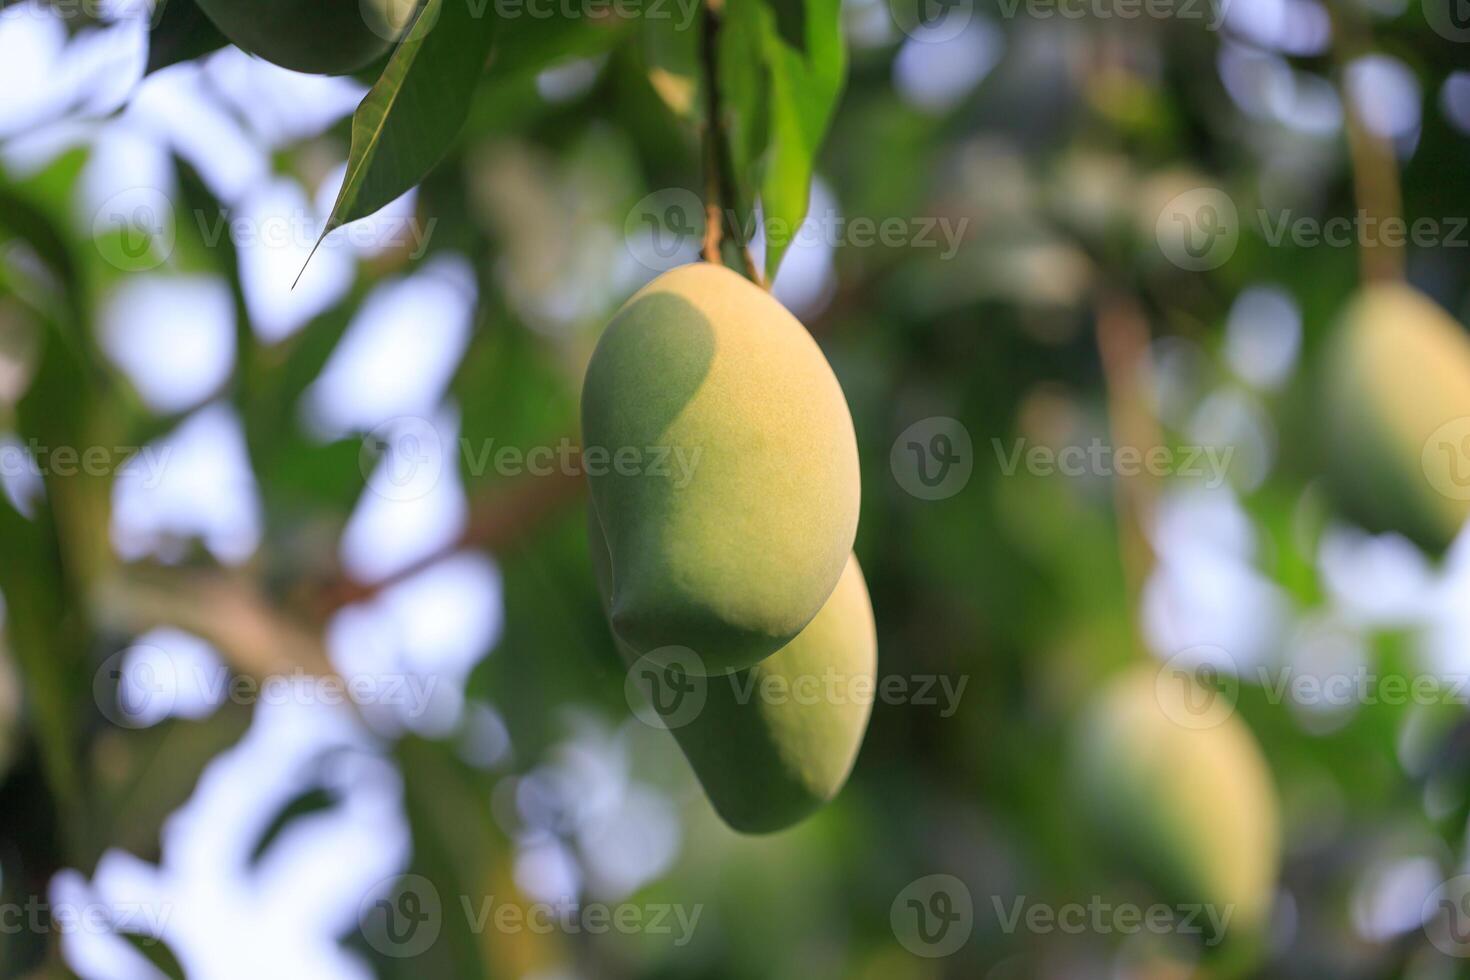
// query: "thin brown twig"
[[1122, 341], [226, 608], [712, 219], [719, 168], [709, 52], [1376, 188]]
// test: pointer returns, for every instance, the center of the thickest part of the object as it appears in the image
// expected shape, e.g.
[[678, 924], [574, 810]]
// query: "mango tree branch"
[[1376, 187], [719, 168], [1122, 341], [225, 608], [497, 521]]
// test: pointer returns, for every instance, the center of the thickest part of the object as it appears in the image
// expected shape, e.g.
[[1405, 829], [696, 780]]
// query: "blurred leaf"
[[507, 100], [513, 392], [181, 33], [670, 56], [453, 847], [408, 120], [791, 22], [142, 776], [297, 473], [525, 46], [556, 649], [48, 560], [313, 800], [156, 952], [34, 588], [33, 225]]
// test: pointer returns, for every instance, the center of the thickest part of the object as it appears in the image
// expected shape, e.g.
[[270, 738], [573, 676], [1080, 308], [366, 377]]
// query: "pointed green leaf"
[[180, 32], [780, 92], [745, 86], [157, 953], [805, 87], [791, 22], [411, 116], [316, 799]]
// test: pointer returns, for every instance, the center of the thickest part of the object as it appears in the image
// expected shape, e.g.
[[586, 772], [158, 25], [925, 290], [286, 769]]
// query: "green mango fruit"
[[1173, 779], [323, 37], [1397, 400], [772, 744], [731, 544]]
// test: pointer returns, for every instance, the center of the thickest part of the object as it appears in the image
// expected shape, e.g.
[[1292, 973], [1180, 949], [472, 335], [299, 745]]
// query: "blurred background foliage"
[[1052, 142]]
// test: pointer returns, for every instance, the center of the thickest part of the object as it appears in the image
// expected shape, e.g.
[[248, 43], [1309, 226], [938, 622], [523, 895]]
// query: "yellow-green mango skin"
[[323, 37], [1398, 369], [767, 764], [734, 563], [1193, 809]]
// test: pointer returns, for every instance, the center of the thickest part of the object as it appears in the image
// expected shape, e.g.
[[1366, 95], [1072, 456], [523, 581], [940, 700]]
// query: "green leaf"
[[527, 45], [791, 22], [506, 99], [48, 557], [24, 219], [780, 92], [804, 91], [745, 87], [181, 33], [51, 665], [317, 799], [456, 851], [411, 116], [669, 52], [143, 775], [156, 952]]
